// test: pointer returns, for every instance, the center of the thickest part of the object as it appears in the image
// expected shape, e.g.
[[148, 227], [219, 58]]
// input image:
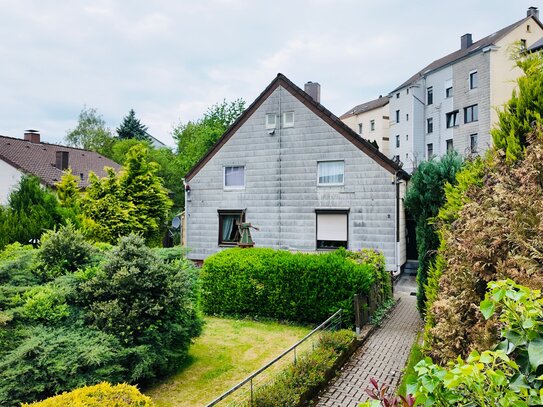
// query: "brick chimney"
[[533, 11], [313, 89], [33, 136], [465, 41]]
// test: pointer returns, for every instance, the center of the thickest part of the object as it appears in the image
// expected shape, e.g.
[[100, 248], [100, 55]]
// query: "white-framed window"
[[271, 121], [332, 228], [234, 177], [449, 92], [397, 116], [397, 141], [473, 80], [471, 114], [452, 119], [372, 125], [330, 172], [288, 119], [430, 96], [473, 143], [360, 127]]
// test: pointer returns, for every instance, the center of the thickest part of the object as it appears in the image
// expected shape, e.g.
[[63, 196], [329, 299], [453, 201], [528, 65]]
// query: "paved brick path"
[[383, 356]]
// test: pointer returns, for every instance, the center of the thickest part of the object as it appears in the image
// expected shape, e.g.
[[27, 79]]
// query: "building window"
[[288, 119], [406, 156], [407, 91], [332, 228], [473, 143], [372, 125], [523, 44], [234, 177], [449, 145], [430, 95], [473, 80], [471, 114], [398, 141], [330, 172], [430, 151], [398, 95], [271, 121], [359, 128], [407, 117], [397, 116], [396, 158], [228, 226], [448, 92], [407, 137], [452, 119], [430, 125]]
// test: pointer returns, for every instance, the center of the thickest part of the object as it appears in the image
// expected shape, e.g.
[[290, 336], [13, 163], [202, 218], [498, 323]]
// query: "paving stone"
[[382, 357]]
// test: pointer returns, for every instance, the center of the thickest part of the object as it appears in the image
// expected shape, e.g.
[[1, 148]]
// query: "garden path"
[[382, 356]]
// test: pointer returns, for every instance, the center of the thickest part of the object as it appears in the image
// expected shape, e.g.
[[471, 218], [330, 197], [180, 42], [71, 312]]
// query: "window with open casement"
[[229, 220]]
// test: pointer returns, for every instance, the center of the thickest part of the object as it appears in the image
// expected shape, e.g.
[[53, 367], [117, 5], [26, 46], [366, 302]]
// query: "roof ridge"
[[52, 144]]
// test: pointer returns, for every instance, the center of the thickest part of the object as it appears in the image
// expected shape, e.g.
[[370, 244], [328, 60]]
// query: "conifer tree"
[[68, 189], [131, 127]]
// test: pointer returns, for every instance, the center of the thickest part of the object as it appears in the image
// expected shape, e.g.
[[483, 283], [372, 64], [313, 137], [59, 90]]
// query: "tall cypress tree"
[[131, 127]]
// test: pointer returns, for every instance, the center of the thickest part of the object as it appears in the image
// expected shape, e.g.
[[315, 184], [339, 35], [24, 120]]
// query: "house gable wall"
[[8, 181], [281, 192]]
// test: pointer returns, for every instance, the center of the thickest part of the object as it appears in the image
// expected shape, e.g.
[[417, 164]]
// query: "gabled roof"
[[316, 108], [476, 47], [366, 107], [39, 159], [536, 46]]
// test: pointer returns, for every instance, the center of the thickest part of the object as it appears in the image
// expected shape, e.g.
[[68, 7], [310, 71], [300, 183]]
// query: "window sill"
[[233, 188], [330, 185], [228, 244]]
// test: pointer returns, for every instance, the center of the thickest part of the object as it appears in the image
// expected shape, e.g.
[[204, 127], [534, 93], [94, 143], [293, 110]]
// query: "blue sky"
[[170, 60]]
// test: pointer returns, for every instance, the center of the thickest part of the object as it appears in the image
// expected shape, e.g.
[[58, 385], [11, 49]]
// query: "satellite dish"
[[176, 222]]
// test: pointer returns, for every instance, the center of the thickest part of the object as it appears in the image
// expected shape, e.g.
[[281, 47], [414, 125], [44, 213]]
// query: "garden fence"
[[242, 394]]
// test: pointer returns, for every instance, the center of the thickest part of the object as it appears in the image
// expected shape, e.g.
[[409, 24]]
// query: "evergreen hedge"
[[278, 284]]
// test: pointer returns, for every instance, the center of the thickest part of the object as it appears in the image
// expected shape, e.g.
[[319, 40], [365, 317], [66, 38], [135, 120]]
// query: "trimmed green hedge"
[[278, 284]]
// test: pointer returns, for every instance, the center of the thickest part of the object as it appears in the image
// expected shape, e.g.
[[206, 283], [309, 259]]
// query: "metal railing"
[[243, 393]]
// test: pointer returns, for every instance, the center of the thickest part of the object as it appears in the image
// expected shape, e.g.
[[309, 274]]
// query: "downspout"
[[279, 128], [186, 213], [397, 224]]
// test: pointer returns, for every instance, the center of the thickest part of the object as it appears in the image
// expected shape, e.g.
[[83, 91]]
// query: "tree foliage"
[[423, 199], [131, 127], [133, 201], [523, 110], [67, 188], [195, 138], [91, 132], [30, 211]]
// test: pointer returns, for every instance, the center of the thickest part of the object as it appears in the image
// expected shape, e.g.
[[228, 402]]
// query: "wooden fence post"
[[357, 313]]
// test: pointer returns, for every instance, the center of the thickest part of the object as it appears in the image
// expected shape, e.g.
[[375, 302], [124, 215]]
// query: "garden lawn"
[[227, 351]]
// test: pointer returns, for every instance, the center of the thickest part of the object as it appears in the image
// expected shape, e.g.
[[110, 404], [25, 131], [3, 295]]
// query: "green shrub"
[[149, 305], [50, 361], [294, 384], [169, 254], [103, 394], [16, 265], [44, 304], [282, 285], [63, 251], [509, 375]]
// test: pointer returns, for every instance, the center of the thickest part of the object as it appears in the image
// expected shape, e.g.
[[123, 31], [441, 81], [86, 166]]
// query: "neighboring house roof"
[[39, 159], [536, 46], [366, 107], [316, 108], [155, 142], [477, 46]]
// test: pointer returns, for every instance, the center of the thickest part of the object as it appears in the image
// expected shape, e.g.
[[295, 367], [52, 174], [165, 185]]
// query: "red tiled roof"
[[39, 159]]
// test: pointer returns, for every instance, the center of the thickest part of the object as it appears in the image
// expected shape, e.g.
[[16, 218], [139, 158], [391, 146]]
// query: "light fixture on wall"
[[271, 132]]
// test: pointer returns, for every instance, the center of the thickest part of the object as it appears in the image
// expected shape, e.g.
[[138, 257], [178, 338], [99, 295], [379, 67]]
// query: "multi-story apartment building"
[[451, 103], [370, 120]]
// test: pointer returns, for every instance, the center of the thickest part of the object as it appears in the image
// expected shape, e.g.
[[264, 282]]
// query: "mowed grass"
[[227, 351]]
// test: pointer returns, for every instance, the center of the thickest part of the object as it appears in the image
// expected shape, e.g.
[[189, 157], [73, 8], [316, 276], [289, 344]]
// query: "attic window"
[[271, 121], [528, 28], [288, 119]]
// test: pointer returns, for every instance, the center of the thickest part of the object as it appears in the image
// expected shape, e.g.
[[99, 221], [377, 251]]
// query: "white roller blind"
[[332, 226]]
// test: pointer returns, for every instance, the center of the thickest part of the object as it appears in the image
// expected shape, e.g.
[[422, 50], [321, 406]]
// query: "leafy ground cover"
[[227, 351]]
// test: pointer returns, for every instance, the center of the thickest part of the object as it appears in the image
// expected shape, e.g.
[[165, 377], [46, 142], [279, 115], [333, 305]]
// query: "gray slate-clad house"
[[306, 180]]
